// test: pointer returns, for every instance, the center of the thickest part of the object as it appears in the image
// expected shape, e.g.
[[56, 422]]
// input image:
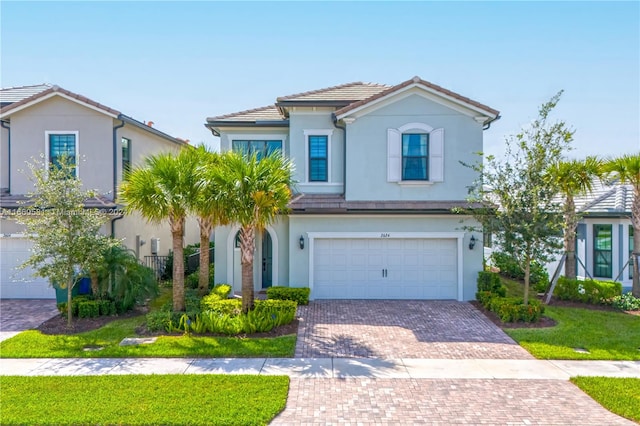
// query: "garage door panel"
[[414, 268], [16, 283]]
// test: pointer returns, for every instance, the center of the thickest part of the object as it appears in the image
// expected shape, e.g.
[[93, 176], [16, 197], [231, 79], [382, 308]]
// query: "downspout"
[[4, 126], [488, 125], [115, 172], [344, 154]]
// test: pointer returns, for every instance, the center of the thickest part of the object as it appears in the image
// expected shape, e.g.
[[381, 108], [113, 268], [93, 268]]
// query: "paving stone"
[[368, 401], [133, 341], [400, 329], [25, 314]]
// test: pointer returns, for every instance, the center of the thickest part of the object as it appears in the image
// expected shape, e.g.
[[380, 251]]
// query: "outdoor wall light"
[[472, 242], [301, 242]]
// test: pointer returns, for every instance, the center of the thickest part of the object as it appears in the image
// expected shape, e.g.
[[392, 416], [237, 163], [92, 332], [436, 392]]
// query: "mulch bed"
[[58, 325]]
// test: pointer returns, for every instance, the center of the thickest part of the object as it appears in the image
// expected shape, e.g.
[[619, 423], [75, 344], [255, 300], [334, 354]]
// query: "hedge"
[[297, 294], [587, 291]]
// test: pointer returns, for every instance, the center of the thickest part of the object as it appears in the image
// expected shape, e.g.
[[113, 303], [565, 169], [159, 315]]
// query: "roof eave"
[[150, 129]]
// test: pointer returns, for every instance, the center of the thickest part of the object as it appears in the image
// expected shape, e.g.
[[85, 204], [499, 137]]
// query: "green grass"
[[516, 288], [620, 396], [138, 400], [607, 335], [34, 344]]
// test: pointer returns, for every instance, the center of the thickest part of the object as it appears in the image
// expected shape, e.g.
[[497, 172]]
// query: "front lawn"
[[620, 396], [143, 400], [607, 335], [34, 344]]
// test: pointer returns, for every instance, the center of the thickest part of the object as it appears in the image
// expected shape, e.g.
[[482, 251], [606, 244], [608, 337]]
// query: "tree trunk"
[[527, 271], [203, 276], [94, 284], [570, 225], [69, 298], [247, 247], [177, 233]]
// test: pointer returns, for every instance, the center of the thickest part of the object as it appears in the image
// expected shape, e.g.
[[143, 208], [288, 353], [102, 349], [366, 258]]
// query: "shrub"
[[191, 280], [484, 298], [161, 320], [512, 309], [587, 291], [626, 302], [509, 266], [88, 309], [221, 307], [297, 294], [106, 307], [490, 281]]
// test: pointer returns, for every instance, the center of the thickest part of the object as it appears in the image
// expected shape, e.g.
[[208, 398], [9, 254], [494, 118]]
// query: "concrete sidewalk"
[[329, 368]]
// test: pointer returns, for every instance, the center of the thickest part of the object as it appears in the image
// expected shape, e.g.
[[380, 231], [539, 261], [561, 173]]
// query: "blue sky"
[[178, 63]]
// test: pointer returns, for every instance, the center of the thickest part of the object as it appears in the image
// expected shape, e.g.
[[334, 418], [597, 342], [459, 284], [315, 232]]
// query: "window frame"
[[596, 266], [425, 157], [307, 155], [126, 165], [630, 242], [47, 146]]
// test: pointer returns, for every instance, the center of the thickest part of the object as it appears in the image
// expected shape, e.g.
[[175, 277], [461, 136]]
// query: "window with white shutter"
[[415, 153]]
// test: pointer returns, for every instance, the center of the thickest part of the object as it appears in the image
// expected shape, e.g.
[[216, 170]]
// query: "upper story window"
[[631, 251], [602, 243], [318, 156], [62, 144], [415, 154], [126, 154], [261, 148]]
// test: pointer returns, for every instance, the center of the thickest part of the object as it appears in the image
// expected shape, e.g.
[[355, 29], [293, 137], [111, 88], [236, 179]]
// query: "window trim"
[[257, 137], [630, 244], [47, 146], [594, 250], [317, 132]]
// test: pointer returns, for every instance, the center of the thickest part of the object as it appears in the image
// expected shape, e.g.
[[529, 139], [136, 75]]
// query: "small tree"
[[518, 195], [66, 236], [626, 169], [573, 177]]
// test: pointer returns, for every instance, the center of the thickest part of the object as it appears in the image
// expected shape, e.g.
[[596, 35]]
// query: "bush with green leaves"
[[510, 267], [626, 302], [587, 291], [490, 281], [297, 294], [217, 293], [512, 309], [86, 307]]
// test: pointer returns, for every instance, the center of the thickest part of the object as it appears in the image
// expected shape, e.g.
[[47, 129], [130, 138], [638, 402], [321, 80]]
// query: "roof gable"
[[432, 90], [348, 92]]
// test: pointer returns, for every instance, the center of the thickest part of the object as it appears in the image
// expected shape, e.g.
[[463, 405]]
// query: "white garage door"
[[385, 269], [16, 283]]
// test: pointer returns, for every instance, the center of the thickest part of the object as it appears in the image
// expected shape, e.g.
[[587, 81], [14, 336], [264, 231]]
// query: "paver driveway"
[[401, 329], [22, 314]]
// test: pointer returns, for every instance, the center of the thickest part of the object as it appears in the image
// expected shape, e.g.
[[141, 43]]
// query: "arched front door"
[[263, 260]]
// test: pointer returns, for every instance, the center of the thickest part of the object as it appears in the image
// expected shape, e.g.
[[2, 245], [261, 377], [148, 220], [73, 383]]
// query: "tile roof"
[[345, 96], [348, 92], [312, 203], [606, 197], [10, 95], [266, 113], [416, 80]]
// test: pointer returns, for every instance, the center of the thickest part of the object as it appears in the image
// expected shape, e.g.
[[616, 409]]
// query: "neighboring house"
[[604, 238], [48, 121], [378, 172]]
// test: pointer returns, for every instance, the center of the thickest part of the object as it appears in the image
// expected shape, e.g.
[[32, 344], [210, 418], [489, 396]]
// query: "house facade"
[[604, 236], [43, 122], [378, 173]]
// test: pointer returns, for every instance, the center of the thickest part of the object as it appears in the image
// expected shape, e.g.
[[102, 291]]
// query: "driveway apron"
[[423, 329]]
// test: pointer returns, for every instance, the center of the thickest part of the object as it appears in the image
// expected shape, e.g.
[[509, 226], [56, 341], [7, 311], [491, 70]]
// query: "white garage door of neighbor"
[[16, 283], [410, 268]]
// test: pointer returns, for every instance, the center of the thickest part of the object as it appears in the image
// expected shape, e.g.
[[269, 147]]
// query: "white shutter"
[[436, 155], [394, 155]]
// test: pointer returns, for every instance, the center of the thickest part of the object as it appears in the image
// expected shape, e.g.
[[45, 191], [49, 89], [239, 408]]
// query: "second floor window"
[[602, 235], [261, 148], [62, 145], [415, 156], [126, 155], [318, 159], [631, 251]]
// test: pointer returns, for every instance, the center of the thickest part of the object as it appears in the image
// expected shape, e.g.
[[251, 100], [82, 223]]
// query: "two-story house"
[[44, 122], [378, 173]]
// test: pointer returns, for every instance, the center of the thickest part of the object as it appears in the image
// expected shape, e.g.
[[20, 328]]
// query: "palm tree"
[[255, 191], [163, 188], [627, 170], [207, 206], [573, 178]]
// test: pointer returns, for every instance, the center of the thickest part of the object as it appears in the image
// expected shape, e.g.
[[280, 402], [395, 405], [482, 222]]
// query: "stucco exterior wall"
[[28, 141], [367, 146]]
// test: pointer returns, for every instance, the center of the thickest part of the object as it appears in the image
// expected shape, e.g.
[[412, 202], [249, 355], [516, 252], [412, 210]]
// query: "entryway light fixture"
[[472, 242], [301, 242]]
